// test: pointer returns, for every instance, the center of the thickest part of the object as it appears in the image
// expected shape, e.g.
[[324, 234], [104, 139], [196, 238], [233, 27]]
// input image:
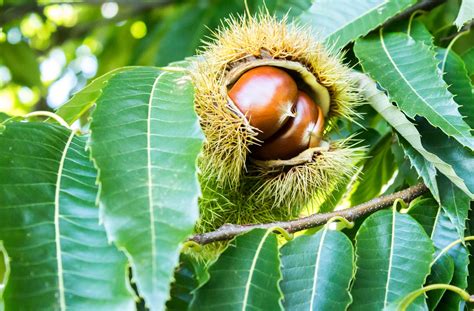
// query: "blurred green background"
[[50, 49]]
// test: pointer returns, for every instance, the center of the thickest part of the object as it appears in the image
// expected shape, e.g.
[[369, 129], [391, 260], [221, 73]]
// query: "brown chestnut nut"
[[266, 96], [298, 134]]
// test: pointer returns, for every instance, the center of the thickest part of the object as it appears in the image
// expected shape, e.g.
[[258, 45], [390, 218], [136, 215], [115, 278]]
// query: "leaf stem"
[[407, 300], [229, 231]]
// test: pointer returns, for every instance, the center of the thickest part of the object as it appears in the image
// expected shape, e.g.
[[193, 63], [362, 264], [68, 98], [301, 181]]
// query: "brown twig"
[[228, 231], [425, 5]]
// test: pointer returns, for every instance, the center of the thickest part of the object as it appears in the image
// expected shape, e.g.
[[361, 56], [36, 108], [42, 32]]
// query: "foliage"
[[96, 213]]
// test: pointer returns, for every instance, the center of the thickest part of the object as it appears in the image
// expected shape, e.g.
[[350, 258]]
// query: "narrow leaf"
[[459, 83], [388, 244], [317, 270], [145, 140], [424, 168], [60, 256], [466, 13], [83, 100], [407, 69], [245, 277], [380, 102], [442, 272], [444, 233], [343, 21], [450, 151]]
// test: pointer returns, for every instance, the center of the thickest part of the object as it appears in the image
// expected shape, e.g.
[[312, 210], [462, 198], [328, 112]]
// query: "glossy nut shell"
[[266, 96], [297, 135]]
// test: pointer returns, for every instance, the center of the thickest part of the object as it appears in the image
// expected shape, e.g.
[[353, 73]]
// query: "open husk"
[[241, 190]]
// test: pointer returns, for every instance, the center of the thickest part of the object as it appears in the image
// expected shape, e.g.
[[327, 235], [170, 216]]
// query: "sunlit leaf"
[[466, 13], [145, 140], [245, 277], [388, 244], [459, 83], [49, 223], [407, 69], [317, 270], [380, 102], [343, 21], [83, 100]]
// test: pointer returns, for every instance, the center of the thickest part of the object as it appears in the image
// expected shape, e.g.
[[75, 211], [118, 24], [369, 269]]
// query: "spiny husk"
[[236, 189]]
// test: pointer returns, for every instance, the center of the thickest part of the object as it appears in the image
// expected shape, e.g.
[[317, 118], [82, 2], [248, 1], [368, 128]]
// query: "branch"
[[228, 231]]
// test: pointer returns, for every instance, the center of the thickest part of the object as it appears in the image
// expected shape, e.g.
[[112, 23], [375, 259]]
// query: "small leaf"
[[317, 270], [380, 102], [388, 244], [83, 100], [407, 69], [424, 211], [466, 13], [245, 277], [145, 140], [49, 223], [340, 22]]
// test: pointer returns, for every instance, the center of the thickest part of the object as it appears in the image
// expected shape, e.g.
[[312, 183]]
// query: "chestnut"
[[266, 95], [298, 134]]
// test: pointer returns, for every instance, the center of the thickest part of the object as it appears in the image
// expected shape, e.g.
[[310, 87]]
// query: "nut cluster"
[[288, 120]]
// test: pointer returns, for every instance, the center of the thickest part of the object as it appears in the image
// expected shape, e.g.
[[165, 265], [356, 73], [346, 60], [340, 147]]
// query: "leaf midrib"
[[382, 41], [316, 268], [252, 269], [390, 263], [61, 296]]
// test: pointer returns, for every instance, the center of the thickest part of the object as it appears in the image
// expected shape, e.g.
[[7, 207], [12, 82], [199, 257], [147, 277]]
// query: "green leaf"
[[317, 270], [442, 272], [4, 272], [455, 203], [444, 233], [450, 151], [83, 100], [424, 168], [388, 244], [426, 212], [340, 22], [145, 140], [60, 256], [245, 277], [407, 69], [468, 58], [466, 13], [380, 102], [376, 172], [459, 83], [293, 8], [22, 63], [184, 283]]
